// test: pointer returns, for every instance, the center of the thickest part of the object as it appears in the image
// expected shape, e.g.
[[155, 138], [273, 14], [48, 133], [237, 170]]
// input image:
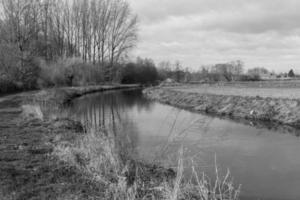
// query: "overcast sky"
[[199, 32]]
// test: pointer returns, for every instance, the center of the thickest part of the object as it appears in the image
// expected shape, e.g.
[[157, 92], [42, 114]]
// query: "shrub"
[[216, 77], [51, 75], [69, 72], [144, 72], [17, 73], [6, 85], [253, 77]]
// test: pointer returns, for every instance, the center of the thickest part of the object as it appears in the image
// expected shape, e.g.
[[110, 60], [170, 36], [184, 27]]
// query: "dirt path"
[[27, 168]]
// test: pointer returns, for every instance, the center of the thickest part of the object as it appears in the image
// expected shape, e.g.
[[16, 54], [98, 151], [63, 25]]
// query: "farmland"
[[265, 89]]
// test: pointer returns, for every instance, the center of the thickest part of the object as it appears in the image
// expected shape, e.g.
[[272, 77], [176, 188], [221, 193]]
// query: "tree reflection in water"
[[109, 111]]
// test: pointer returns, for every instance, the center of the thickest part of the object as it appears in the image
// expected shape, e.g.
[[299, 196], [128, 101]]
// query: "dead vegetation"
[[253, 108], [28, 169], [96, 154]]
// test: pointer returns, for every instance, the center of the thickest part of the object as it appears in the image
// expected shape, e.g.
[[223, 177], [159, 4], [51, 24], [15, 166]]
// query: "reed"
[[97, 154]]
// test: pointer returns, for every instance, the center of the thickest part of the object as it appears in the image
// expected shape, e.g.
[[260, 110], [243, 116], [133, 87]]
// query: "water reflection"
[[265, 161], [109, 111]]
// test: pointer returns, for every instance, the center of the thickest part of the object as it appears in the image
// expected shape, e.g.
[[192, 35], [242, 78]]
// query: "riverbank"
[[30, 167], [46, 157], [66, 94], [205, 99]]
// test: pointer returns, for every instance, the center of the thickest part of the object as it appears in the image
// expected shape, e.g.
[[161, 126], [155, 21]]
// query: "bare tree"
[[122, 32], [98, 31]]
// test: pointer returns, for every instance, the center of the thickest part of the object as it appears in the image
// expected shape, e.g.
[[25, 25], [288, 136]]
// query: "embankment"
[[28, 167], [277, 110]]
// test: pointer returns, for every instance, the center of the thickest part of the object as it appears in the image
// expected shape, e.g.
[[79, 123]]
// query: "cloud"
[[196, 32]]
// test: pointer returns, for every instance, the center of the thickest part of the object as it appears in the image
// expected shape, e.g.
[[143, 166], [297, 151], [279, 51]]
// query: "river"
[[265, 162]]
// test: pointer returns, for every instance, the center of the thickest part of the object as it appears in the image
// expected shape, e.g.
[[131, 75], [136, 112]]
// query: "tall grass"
[[96, 153], [200, 186], [93, 153]]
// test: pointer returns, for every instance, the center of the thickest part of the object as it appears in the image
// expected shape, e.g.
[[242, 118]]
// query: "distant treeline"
[[231, 71], [223, 72], [42, 37], [146, 72], [142, 71]]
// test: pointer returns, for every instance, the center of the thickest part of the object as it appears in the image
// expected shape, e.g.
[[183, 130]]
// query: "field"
[[265, 89]]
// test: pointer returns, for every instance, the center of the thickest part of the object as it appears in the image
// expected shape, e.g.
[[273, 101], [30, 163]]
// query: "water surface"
[[265, 162]]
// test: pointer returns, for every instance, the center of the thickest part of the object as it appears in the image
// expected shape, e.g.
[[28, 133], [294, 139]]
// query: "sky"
[[261, 33]]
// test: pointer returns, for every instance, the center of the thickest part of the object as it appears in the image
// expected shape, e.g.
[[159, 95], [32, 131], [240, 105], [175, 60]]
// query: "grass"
[[28, 167], [201, 186], [97, 154], [272, 89]]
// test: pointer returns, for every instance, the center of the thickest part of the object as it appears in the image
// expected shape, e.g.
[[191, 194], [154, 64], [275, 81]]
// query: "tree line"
[[231, 71], [97, 31]]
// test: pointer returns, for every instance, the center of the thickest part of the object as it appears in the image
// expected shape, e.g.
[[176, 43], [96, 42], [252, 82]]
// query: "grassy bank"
[[66, 94], [28, 168], [59, 158], [239, 103]]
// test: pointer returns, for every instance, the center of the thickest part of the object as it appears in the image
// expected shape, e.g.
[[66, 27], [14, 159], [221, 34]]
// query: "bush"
[[6, 85], [69, 72], [143, 72], [15, 73], [36, 73], [216, 77], [254, 77]]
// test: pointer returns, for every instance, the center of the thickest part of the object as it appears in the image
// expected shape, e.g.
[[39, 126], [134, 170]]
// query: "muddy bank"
[[275, 110]]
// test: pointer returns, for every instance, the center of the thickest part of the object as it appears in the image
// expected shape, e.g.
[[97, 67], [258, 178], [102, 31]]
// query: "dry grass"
[[201, 187], [93, 153], [96, 154], [32, 111]]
